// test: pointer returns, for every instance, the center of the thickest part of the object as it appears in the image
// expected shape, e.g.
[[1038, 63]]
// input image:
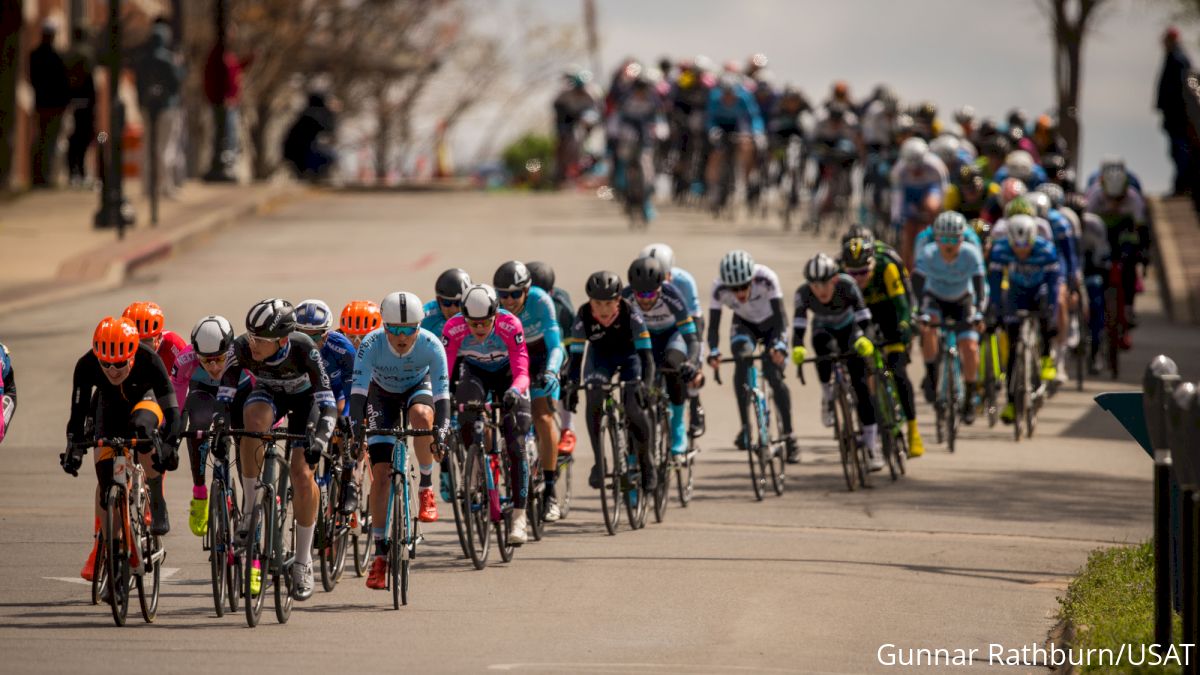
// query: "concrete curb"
[[161, 244], [1172, 274]]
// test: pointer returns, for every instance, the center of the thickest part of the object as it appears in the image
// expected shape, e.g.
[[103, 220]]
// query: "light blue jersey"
[[377, 362], [951, 280], [686, 283], [433, 322], [540, 320]]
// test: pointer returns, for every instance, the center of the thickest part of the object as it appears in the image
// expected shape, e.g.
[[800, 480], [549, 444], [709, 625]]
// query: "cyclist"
[[618, 343], [836, 145], [639, 113], [542, 275], [449, 289], [1123, 210], [196, 376], [840, 317], [290, 379], [1020, 206], [1067, 244], [1112, 164], [576, 111], [732, 114], [672, 337], [148, 317], [1020, 164], [1095, 258], [950, 282], [685, 283], [973, 195], [485, 349], [359, 317], [400, 373], [1034, 273], [919, 180], [753, 293], [134, 398], [543, 343], [8, 392], [881, 280]]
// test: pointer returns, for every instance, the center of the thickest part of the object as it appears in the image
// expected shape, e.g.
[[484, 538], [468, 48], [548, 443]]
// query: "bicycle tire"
[[662, 465], [776, 466], [536, 493], [324, 540], [610, 480], [754, 441], [100, 568], [636, 499], [842, 432], [218, 536], [854, 437], [148, 598], [257, 551], [364, 541], [1018, 385], [1112, 332], [398, 542], [455, 460], [115, 516], [475, 508], [685, 481], [503, 526], [952, 387], [991, 383], [886, 414], [286, 523], [563, 485]]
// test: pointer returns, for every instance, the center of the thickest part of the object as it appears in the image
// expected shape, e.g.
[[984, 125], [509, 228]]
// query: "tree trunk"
[[1068, 105], [263, 165], [10, 53]]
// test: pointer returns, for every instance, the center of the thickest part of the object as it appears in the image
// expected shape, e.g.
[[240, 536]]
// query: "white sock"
[[566, 419], [826, 391], [304, 539], [249, 489], [871, 437]]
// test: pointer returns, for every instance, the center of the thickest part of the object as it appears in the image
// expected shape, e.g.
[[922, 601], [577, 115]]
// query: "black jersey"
[[843, 309], [296, 368], [147, 377]]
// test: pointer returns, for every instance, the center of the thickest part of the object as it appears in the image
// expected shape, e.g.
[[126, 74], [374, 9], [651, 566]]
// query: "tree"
[[1070, 22]]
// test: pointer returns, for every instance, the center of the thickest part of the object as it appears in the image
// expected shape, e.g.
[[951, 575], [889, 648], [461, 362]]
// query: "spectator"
[[81, 64], [308, 144], [159, 78], [1174, 113], [223, 89], [51, 95]]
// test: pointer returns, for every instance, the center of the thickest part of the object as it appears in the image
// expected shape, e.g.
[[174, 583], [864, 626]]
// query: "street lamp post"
[[115, 210], [219, 168]]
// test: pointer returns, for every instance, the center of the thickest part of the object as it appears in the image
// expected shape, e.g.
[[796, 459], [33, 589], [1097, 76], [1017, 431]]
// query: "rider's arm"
[[439, 379], [641, 342], [862, 314], [918, 275], [360, 381], [9, 377], [996, 264], [551, 334], [453, 334], [893, 283], [239, 353], [509, 328], [756, 121], [676, 301], [800, 322], [714, 319], [324, 409], [575, 345], [164, 393], [83, 383], [181, 373]]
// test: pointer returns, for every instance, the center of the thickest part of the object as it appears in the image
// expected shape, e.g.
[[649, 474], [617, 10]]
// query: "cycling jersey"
[[626, 335], [685, 283], [913, 181], [434, 321], [1064, 241], [980, 207], [396, 373], [1035, 179], [147, 378], [1041, 268], [951, 280], [877, 124], [171, 346], [540, 323], [1112, 211], [1000, 230], [764, 287], [886, 295], [667, 318], [741, 115], [338, 356], [1094, 251], [845, 309], [8, 385], [504, 347], [295, 369], [188, 375]]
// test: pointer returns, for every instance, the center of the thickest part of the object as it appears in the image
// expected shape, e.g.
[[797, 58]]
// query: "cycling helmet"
[[1041, 203], [452, 283], [964, 115], [996, 146], [401, 308], [1010, 189], [927, 111], [729, 83], [946, 148], [212, 335], [1020, 206], [662, 253], [982, 228], [1019, 164], [512, 276], [1054, 191], [859, 231], [969, 174], [903, 125], [1017, 119], [949, 224], [360, 317], [820, 268], [479, 302], [841, 89], [271, 318], [1114, 181], [603, 285], [646, 274], [147, 316], [115, 340], [1022, 231], [313, 316], [737, 268], [541, 275], [857, 253], [913, 150]]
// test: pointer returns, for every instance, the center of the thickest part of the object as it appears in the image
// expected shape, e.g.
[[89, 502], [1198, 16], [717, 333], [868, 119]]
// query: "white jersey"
[[877, 124], [764, 287]]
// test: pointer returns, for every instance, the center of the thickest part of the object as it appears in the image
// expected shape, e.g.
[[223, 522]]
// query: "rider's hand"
[[714, 360], [571, 400], [70, 460], [760, 143], [864, 346], [167, 457], [799, 354], [714, 135], [687, 372], [312, 453], [778, 357], [511, 397], [548, 382]]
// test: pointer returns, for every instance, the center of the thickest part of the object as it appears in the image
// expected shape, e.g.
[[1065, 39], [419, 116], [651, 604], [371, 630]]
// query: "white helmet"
[[913, 150], [401, 308], [820, 268], [212, 335], [662, 253], [1019, 164], [737, 268], [1040, 201], [313, 315], [479, 302], [1022, 231], [946, 148]]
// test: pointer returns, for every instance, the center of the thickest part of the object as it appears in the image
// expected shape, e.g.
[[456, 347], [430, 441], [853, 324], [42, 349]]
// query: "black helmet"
[[452, 283], [646, 274], [856, 253], [859, 231], [511, 276], [271, 318], [820, 268], [603, 285], [542, 275]]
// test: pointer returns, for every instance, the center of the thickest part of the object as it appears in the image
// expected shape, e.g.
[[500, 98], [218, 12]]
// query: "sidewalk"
[[1177, 250], [51, 251]]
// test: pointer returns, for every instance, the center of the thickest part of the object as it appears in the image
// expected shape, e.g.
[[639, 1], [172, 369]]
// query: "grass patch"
[[1111, 603]]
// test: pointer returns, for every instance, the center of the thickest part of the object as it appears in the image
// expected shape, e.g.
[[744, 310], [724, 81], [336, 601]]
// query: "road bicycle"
[[847, 428], [224, 560], [951, 392], [400, 522], [1028, 391], [487, 496], [764, 453], [889, 415], [621, 473]]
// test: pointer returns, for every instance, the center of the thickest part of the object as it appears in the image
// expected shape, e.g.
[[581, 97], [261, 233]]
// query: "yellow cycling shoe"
[[1049, 371], [916, 447], [198, 517], [255, 580], [1008, 414]]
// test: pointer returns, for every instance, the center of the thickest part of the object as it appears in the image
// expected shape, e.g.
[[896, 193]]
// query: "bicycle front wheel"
[[398, 550], [285, 549], [843, 429], [563, 485], [475, 508], [662, 465], [610, 476], [257, 560], [100, 569], [115, 518], [455, 461], [951, 388], [149, 583], [218, 536], [755, 445], [324, 538]]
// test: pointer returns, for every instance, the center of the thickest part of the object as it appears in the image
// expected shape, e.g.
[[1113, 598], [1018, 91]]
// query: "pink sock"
[[199, 492]]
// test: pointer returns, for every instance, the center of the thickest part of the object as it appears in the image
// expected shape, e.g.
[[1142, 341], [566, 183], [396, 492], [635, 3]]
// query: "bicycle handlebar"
[[396, 431], [765, 354], [843, 356], [273, 435]]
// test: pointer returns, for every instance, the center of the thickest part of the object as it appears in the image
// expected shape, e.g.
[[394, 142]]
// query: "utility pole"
[[219, 168], [114, 211]]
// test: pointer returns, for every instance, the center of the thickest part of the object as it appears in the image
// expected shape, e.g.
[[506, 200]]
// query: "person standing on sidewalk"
[[51, 91], [1171, 104], [81, 64], [223, 89], [160, 78]]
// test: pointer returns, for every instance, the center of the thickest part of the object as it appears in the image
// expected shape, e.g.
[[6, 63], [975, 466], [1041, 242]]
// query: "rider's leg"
[[547, 438], [515, 425], [258, 415]]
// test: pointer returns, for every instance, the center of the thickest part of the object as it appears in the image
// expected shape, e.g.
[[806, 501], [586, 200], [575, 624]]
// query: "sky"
[[991, 55]]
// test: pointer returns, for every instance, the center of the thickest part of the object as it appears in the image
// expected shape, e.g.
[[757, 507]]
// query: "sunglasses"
[[859, 272], [444, 302], [212, 360], [398, 330], [740, 288], [261, 340], [316, 337], [510, 295], [648, 295], [949, 241], [118, 365], [479, 323]]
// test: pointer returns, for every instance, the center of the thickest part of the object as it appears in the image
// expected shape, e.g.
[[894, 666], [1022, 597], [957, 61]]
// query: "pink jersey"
[[170, 348], [504, 346]]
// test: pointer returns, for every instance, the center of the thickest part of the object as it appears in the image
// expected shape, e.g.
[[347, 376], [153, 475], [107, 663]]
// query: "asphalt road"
[[969, 549]]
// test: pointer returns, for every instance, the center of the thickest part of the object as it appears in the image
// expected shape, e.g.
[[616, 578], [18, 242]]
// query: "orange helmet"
[[148, 317], [115, 340], [360, 317]]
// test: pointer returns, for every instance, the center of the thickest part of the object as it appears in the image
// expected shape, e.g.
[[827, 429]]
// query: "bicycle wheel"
[[563, 485], [854, 436], [475, 508], [100, 569], [324, 538], [685, 481], [843, 431], [148, 592], [990, 382], [455, 461], [951, 386], [115, 518], [636, 499], [218, 535], [502, 527], [257, 558], [398, 548], [662, 458], [533, 506], [1112, 331], [285, 524], [754, 444], [362, 541], [775, 466], [887, 435], [610, 478]]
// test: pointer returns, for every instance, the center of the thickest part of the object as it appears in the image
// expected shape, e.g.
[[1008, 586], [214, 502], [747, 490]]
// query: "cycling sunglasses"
[[510, 295], [450, 302], [479, 323], [212, 360], [117, 365], [648, 295], [741, 287], [862, 272], [262, 340], [398, 330], [950, 240]]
